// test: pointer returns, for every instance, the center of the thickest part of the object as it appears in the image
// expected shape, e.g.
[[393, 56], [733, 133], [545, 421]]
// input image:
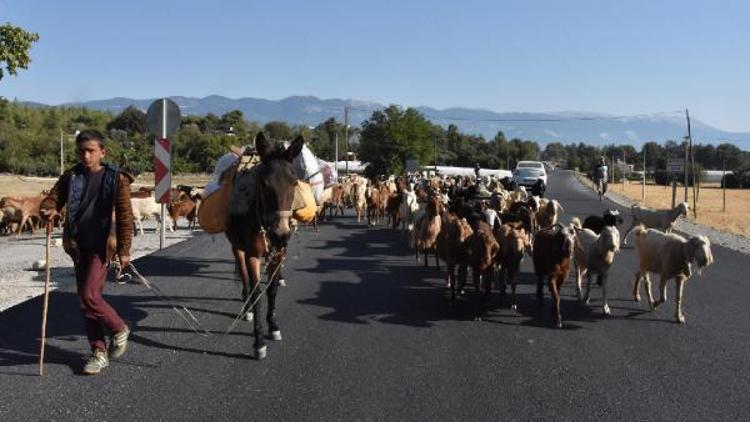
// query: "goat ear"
[[262, 145], [295, 148]]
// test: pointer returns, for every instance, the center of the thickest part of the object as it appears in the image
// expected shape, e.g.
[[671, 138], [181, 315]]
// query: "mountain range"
[[565, 127]]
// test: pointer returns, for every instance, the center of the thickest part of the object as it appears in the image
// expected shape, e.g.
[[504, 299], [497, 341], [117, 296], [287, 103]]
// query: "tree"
[[15, 44], [278, 131], [392, 136], [131, 120], [554, 151]]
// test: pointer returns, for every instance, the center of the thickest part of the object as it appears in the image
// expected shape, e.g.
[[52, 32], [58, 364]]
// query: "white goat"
[[668, 255], [409, 208], [144, 208], [656, 219], [519, 194], [594, 254]]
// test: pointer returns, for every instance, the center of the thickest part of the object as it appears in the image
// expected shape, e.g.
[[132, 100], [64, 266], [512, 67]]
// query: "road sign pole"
[[163, 232], [163, 119]]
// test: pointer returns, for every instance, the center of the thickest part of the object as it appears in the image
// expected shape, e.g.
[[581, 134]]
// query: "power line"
[[557, 119]]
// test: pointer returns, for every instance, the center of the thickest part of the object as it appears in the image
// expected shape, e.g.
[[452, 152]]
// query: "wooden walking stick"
[[46, 294]]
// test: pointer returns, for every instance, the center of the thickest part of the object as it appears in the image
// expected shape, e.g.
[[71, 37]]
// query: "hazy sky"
[[621, 57]]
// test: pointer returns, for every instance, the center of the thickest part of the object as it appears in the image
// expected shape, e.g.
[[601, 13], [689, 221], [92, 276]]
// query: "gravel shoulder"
[[19, 282], [685, 226]]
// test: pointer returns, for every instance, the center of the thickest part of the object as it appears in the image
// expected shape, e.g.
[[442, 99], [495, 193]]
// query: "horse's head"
[[277, 182]]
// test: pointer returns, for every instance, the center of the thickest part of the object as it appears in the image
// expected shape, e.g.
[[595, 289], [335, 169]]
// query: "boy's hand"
[[124, 262]]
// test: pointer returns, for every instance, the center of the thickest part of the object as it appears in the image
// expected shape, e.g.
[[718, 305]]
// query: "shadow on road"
[[380, 281]]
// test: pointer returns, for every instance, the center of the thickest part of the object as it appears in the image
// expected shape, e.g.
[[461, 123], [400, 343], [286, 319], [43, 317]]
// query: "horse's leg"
[[259, 345], [274, 332], [239, 259]]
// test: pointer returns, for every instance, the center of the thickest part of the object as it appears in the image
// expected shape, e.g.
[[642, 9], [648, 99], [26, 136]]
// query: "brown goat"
[[481, 254], [513, 241], [553, 249], [26, 210], [427, 229], [451, 247], [372, 195], [184, 207]]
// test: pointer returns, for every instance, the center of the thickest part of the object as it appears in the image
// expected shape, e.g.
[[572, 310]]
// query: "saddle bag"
[[304, 205], [213, 214]]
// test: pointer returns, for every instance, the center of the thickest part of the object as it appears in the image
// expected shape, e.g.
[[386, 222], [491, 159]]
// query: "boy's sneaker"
[[119, 343], [96, 363]]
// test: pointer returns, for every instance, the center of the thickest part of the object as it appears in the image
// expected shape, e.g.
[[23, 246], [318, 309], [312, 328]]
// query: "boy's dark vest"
[[77, 188]]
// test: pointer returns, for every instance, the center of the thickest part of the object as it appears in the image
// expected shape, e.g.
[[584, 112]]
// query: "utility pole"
[[724, 184], [62, 153], [692, 166], [686, 168], [643, 187], [434, 149], [346, 136], [336, 153]]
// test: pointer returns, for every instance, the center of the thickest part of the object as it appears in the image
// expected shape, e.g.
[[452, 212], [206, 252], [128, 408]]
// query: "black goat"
[[596, 223]]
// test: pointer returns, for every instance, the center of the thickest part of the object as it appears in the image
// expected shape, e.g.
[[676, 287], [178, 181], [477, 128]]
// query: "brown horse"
[[260, 209]]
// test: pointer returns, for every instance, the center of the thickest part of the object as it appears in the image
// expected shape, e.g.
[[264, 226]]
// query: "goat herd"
[[21, 213], [482, 225], [488, 226]]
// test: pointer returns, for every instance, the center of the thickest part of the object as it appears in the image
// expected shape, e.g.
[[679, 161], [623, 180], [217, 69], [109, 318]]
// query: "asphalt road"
[[370, 335]]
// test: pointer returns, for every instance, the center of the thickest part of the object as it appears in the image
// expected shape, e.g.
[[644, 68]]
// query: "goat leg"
[[680, 284], [579, 277], [605, 305], [636, 287], [539, 292], [647, 285], [662, 291], [555, 292]]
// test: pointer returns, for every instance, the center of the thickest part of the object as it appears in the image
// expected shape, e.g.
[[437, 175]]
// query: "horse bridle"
[[260, 206]]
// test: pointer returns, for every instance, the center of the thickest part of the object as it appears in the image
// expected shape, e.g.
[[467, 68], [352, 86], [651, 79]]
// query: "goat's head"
[[698, 250], [533, 202], [609, 243], [612, 218], [683, 208]]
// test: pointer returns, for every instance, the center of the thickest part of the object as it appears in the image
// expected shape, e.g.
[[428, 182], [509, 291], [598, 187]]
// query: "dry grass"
[[14, 185], [709, 204]]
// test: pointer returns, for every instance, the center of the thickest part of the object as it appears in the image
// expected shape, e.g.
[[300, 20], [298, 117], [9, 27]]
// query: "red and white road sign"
[[162, 170]]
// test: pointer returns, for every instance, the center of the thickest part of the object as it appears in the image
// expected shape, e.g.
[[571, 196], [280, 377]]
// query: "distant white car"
[[528, 172]]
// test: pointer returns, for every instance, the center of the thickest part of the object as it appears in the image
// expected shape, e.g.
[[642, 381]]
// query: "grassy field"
[[14, 185], [709, 204]]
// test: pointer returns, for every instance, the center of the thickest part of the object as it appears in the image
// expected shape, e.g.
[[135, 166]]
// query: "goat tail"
[[575, 224]]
